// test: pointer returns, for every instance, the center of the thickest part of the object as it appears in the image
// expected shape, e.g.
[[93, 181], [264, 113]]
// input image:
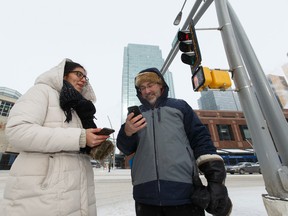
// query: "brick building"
[[230, 134]]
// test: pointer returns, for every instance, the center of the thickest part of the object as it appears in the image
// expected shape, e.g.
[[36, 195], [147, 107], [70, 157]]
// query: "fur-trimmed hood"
[[165, 87]]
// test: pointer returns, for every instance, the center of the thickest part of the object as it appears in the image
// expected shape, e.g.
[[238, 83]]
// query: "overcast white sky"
[[37, 35]]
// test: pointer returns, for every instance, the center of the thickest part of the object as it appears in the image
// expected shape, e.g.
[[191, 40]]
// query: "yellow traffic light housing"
[[215, 79], [220, 79]]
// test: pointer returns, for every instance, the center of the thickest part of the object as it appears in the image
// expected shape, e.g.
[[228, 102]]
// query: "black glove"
[[215, 173], [200, 195], [220, 204]]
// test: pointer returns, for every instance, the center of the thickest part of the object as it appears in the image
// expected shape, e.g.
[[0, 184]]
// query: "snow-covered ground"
[[114, 193], [244, 190]]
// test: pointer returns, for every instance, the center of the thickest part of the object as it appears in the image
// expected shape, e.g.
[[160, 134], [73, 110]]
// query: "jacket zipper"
[[194, 165], [47, 180], [155, 153]]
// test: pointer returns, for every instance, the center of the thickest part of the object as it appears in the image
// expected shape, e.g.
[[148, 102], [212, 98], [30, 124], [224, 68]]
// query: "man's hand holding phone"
[[135, 110], [134, 121]]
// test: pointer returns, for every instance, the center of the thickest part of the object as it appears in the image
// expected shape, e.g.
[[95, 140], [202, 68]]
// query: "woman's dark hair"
[[70, 66]]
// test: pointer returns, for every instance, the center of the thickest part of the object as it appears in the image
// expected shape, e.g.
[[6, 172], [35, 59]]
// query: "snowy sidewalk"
[[114, 193]]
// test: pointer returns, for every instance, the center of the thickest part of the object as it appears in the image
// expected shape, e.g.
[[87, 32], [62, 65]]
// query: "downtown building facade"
[[285, 70], [230, 134], [280, 89], [138, 57], [227, 127], [8, 97], [219, 100], [219, 111], [229, 100]]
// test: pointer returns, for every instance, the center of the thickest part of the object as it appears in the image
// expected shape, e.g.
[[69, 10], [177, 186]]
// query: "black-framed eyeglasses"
[[149, 86], [80, 75]]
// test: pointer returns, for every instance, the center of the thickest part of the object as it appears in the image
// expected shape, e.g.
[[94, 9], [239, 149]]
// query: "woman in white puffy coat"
[[51, 176]]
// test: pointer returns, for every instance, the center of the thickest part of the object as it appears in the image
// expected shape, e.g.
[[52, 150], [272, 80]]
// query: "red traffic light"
[[184, 35], [189, 46]]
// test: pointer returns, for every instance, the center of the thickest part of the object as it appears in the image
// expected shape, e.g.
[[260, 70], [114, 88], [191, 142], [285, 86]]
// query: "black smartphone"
[[105, 131], [135, 110]]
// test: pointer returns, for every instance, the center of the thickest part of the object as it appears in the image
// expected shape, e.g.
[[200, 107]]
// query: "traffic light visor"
[[188, 58], [186, 46], [184, 35]]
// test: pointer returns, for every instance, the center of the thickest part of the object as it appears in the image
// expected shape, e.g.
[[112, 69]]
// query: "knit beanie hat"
[[147, 77]]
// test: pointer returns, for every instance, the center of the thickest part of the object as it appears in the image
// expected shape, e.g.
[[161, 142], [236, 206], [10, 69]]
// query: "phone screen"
[[106, 131], [135, 110]]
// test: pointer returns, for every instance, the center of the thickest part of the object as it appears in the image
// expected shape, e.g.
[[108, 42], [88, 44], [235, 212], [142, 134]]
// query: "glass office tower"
[[219, 100], [138, 57]]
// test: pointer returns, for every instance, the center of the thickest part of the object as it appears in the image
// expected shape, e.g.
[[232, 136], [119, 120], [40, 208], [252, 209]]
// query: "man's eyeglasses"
[[80, 75], [149, 86]]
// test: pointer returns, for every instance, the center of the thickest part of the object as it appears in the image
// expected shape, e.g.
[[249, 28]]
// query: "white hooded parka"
[[49, 176]]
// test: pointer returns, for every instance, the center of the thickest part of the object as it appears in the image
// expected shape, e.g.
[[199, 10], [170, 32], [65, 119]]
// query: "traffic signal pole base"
[[275, 206]]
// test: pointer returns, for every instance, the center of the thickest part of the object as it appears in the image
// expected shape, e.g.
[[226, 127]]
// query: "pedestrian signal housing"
[[205, 78], [201, 78]]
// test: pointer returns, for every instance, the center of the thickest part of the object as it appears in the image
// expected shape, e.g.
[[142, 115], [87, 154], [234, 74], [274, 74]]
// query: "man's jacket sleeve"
[[126, 144], [198, 134]]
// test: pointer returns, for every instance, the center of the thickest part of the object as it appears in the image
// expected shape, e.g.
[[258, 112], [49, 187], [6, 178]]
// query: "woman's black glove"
[[215, 173]]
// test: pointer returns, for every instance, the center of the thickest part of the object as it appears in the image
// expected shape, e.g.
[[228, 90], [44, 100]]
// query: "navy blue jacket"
[[165, 150]]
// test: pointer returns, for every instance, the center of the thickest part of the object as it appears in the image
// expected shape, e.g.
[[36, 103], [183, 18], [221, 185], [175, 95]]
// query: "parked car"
[[244, 167]]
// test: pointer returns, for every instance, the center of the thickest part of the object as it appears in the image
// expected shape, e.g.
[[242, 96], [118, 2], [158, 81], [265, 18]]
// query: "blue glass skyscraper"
[[136, 58], [219, 100]]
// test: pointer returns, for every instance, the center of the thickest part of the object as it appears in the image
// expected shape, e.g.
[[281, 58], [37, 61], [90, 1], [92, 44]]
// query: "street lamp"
[[113, 137], [179, 16]]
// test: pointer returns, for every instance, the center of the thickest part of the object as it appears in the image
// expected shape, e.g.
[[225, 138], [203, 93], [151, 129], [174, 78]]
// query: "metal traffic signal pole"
[[272, 156], [274, 173], [268, 102], [270, 107], [255, 101]]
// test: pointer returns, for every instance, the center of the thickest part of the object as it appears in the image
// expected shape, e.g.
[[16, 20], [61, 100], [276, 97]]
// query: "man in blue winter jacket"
[[170, 145]]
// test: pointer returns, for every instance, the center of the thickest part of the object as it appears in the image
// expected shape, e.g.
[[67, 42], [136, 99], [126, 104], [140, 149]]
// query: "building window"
[[245, 132], [225, 132], [5, 108]]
